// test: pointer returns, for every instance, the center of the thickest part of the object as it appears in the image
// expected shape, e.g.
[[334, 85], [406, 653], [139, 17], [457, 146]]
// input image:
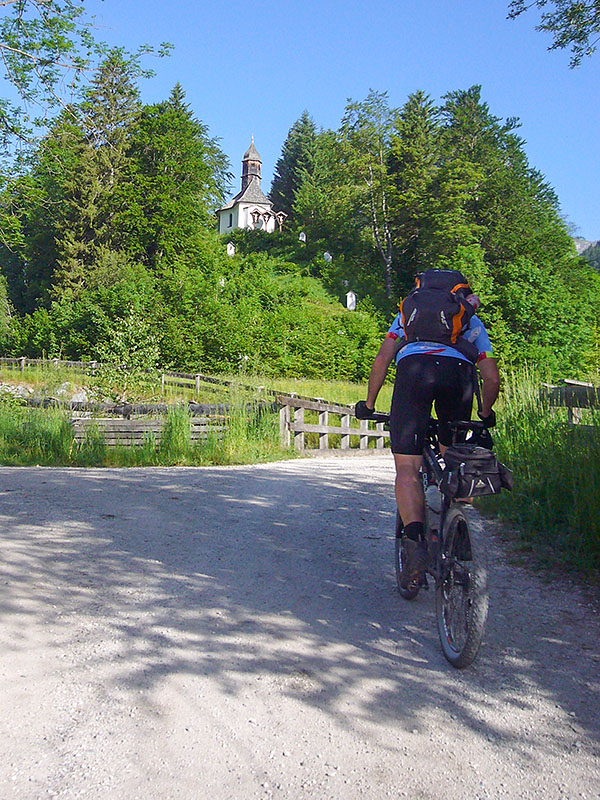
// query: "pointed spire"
[[251, 153]]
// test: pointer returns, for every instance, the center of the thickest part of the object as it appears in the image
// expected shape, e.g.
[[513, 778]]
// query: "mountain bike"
[[457, 560]]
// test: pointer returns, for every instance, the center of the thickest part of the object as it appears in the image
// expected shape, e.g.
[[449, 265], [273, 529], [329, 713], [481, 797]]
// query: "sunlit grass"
[[556, 498], [46, 437]]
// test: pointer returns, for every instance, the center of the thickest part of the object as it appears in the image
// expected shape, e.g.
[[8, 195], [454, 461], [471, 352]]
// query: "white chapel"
[[250, 208]]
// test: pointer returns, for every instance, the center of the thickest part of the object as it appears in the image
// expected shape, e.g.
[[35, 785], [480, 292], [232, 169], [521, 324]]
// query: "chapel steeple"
[[250, 208], [251, 166]]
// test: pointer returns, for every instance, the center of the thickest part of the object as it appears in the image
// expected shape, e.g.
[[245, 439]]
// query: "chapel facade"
[[250, 208]]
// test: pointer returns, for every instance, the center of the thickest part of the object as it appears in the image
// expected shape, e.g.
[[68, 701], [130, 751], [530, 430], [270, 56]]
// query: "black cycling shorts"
[[423, 381]]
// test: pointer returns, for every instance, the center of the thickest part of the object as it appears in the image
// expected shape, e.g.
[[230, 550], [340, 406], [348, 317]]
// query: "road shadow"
[[285, 573]]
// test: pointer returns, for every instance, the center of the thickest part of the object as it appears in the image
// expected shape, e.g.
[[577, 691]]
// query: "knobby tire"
[[461, 595]]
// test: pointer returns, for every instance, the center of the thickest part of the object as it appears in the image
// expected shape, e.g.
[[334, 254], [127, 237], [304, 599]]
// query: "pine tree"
[[91, 242], [294, 165], [413, 164], [180, 175]]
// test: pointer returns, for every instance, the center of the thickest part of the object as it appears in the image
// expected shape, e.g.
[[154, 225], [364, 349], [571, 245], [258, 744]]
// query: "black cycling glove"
[[490, 420], [362, 410]]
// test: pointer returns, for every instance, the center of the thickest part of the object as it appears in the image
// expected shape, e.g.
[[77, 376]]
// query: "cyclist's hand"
[[362, 410], [490, 420]]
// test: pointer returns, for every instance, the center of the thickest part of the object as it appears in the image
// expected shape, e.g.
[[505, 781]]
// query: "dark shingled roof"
[[251, 153], [252, 194]]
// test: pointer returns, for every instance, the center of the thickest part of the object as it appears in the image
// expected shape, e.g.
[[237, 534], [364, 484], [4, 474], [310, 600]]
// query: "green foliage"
[[413, 156], [365, 135], [44, 44], [176, 444], [294, 164], [48, 55], [45, 437], [573, 24], [114, 255], [34, 436], [556, 497], [178, 175]]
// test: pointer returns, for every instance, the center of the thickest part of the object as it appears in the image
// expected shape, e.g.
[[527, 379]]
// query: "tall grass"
[[46, 437], [556, 498], [34, 436]]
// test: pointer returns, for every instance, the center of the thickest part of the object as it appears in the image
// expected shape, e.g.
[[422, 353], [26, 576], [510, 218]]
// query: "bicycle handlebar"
[[468, 425], [460, 425], [379, 417]]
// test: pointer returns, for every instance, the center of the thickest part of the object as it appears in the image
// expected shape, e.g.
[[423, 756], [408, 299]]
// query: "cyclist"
[[427, 373]]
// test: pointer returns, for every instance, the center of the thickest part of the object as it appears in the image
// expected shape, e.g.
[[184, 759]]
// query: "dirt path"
[[234, 633]]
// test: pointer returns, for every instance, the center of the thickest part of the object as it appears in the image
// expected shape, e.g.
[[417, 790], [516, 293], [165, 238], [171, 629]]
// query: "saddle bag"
[[473, 471]]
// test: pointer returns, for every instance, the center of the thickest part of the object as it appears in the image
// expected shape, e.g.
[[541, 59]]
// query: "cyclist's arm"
[[383, 359], [488, 369]]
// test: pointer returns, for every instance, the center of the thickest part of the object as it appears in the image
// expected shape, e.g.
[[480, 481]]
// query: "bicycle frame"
[[432, 473], [456, 553]]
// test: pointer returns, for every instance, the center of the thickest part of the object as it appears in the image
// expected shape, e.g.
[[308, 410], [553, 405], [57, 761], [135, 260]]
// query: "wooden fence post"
[[197, 385], [364, 439], [324, 437], [284, 426], [345, 423], [22, 361], [299, 435], [379, 441]]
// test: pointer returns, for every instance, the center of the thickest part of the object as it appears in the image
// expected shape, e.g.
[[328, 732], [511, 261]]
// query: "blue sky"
[[251, 68]]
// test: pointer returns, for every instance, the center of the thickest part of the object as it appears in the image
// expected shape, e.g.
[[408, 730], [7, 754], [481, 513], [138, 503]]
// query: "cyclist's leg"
[[414, 391], [409, 419], [409, 488]]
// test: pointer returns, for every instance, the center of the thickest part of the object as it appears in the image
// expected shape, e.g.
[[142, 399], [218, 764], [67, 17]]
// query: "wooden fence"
[[22, 362], [292, 424], [575, 396], [127, 432], [348, 434]]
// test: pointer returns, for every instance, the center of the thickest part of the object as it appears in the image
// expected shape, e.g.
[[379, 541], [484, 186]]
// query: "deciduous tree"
[[574, 24]]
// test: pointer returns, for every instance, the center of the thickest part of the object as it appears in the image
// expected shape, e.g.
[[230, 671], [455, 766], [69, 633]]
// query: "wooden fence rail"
[[575, 396], [22, 362], [292, 424], [127, 432]]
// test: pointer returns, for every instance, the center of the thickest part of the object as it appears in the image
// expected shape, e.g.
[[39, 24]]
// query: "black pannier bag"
[[473, 471]]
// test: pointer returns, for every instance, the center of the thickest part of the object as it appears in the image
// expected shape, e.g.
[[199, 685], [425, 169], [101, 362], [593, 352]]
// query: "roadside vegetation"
[[45, 437], [109, 252], [555, 503]]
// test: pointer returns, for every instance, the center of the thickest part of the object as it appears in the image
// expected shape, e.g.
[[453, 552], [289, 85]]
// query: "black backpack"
[[436, 311]]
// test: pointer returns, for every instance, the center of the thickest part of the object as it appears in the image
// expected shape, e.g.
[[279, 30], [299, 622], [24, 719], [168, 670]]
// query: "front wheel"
[[407, 594], [461, 595]]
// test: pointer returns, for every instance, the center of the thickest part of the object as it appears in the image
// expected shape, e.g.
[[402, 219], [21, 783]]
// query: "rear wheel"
[[461, 595], [407, 594]]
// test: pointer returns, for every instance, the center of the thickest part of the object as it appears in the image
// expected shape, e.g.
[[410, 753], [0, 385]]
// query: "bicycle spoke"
[[461, 597]]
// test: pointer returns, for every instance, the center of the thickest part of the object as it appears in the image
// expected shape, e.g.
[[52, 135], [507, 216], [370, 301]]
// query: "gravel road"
[[234, 633]]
